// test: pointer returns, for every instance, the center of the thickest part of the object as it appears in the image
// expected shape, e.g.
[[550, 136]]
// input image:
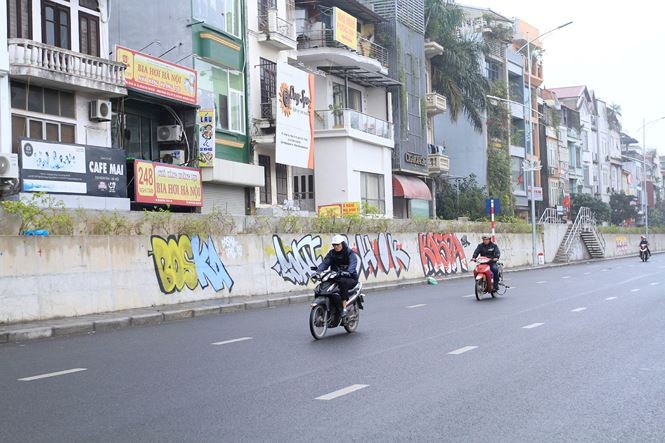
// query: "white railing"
[[586, 221], [33, 54], [550, 216], [349, 118], [273, 23]]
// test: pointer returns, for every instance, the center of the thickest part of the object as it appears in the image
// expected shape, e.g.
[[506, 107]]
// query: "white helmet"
[[337, 239]]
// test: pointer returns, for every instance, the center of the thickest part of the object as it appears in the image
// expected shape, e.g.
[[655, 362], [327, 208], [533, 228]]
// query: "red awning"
[[410, 187]]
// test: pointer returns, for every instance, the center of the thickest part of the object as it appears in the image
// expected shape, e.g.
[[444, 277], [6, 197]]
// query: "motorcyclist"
[[490, 250], [643, 241], [343, 260]]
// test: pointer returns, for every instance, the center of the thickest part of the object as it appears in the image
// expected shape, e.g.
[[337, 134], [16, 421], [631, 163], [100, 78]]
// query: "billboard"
[[294, 138], [346, 209], [61, 168], [345, 28], [161, 183], [150, 74], [206, 137]]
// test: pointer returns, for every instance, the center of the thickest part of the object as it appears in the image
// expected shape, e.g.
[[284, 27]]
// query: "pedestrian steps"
[[584, 227], [593, 244]]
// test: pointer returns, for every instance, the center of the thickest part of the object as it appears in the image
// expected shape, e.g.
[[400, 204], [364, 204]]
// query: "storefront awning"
[[410, 187]]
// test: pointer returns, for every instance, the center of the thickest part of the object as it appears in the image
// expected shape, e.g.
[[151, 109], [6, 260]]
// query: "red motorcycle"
[[482, 274]]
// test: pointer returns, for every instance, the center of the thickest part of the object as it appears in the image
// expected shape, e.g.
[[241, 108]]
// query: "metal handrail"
[[324, 38], [550, 216], [584, 220], [271, 22]]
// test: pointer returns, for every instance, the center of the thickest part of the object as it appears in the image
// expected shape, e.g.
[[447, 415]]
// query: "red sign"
[[159, 183]]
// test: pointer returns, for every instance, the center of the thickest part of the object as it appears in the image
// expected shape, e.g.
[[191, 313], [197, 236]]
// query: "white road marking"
[[604, 270], [611, 298], [654, 283], [467, 296], [587, 273], [566, 276], [416, 306], [235, 340], [634, 290], [541, 282], [578, 310], [341, 392], [532, 325], [52, 374], [462, 350]]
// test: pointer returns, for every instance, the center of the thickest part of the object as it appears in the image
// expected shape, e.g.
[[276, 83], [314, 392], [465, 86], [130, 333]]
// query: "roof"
[[410, 188], [360, 76], [494, 14], [356, 9]]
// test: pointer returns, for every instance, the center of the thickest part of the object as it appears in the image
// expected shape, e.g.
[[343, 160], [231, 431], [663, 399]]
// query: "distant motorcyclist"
[[490, 250], [343, 260], [644, 242]]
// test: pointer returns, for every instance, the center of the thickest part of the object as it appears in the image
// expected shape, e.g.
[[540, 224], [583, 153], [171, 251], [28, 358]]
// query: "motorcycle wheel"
[[480, 289], [352, 324], [318, 321]]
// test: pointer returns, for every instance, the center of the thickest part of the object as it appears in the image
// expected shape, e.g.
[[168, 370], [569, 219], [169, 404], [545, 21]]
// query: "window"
[[41, 130], [303, 187], [493, 71], [19, 19], [55, 25], [282, 179], [517, 175], [221, 14], [138, 136], [43, 100], [372, 191], [224, 89], [266, 190], [88, 34], [268, 75], [90, 4]]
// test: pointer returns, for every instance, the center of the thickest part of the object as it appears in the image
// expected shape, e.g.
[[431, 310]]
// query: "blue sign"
[[497, 205]]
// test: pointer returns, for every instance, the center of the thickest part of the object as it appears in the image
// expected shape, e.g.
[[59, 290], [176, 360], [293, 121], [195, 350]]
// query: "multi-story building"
[[5, 107], [555, 158], [207, 38], [60, 81], [614, 129], [572, 126], [600, 131]]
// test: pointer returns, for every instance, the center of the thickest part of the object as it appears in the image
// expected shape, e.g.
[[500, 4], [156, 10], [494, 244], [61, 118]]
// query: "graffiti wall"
[[442, 254]]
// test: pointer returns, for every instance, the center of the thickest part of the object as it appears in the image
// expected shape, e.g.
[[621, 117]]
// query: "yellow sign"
[[206, 138], [330, 210], [151, 74], [350, 208], [345, 28], [159, 183]]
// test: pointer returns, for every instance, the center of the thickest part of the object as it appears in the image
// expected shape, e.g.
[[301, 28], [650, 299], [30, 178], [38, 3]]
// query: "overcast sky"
[[615, 48]]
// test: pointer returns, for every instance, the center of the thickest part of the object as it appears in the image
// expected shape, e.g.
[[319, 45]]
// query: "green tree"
[[623, 207], [457, 73], [600, 209], [462, 198], [498, 156]]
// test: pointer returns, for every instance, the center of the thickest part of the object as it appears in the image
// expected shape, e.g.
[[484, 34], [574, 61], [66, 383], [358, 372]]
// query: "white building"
[[5, 120]]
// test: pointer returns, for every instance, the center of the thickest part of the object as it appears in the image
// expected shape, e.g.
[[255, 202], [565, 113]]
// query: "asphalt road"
[[574, 353]]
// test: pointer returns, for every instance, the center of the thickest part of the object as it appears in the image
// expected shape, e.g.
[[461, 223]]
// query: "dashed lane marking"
[[587, 273], [566, 276], [610, 298], [467, 296], [532, 325], [541, 282], [341, 392], [462, 350], [578, 309], [635, 290], [52, 374], [416, 306], [226, 342], [654, 283]]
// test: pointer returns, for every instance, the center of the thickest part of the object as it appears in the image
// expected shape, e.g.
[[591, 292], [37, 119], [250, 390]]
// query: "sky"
[[616, 49]]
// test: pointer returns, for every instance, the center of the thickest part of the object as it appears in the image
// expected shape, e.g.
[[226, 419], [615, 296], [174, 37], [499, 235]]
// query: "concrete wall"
[[47, 277]]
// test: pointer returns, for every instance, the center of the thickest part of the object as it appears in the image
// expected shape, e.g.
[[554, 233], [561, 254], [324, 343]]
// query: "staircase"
[[584, 227]]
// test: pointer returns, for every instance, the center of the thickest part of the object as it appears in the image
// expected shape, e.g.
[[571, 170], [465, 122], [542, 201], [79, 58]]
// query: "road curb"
[[156, 318]]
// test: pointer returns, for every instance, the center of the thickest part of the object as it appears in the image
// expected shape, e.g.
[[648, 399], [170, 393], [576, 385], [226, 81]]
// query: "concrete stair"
[[561, 254], [592, 243]]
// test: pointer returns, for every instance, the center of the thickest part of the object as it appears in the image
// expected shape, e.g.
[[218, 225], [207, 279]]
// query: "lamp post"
[[531, 170], [645, 201]]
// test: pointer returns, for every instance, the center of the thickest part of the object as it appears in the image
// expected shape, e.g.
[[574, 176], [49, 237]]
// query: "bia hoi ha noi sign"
[[159, 183]]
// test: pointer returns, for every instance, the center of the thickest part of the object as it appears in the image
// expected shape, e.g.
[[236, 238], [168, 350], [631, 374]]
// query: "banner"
[[159, 183], [206, 138], [294, 138], [345, 28], [346, 209], [72, 169], [150, 74]]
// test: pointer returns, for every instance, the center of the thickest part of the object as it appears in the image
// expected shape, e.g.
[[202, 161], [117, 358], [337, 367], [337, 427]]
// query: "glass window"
[[55, 25], [51, 102], [281, 173], [67, 133], [138, 136], [19, 18], [266, 190], [35, 99], [90, 4], [19, 130], [222, 14], [223, 89], [372, 190], [18, 95], [517, 175], [52, 132], [89, 34], [36, 129], [67, 106]]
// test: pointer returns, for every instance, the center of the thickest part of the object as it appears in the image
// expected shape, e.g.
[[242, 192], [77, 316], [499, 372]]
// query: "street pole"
[[644, 173]]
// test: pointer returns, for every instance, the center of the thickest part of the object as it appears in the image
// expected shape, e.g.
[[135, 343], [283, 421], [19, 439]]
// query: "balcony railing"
[[438, 163], [351, 119], [436, 103], [272, 23], [32, 54], [323, 38]]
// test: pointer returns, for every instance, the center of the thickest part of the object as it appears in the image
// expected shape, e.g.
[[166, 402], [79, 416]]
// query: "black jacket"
[[644, 242], [490, 250], [345, 260]]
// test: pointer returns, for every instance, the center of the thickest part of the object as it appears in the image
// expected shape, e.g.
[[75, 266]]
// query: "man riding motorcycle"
[[491, 251], [343, 260], [644, 241]]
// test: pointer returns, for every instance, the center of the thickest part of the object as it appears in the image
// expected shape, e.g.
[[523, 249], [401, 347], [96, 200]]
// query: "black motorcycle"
[[325, 311], [644, 253]]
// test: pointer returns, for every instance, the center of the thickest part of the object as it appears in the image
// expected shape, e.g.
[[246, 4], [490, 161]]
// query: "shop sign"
[[346, 209], [206, 138], [345, 28], [160, 183], [537, 193], [415, 159]]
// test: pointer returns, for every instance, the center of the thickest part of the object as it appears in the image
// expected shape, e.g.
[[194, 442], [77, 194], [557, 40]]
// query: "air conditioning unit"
[[172, 156], [8, 165], [100, 111], [170, 133]]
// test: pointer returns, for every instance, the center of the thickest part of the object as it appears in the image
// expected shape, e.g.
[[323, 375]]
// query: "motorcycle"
[[482, 275], [644, 253], [325, 311]]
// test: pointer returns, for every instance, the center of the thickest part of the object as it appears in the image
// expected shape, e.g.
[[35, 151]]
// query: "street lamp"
[[531, 170], [645, 202]]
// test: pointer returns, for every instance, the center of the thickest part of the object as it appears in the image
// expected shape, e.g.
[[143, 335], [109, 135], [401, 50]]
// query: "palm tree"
[[457, 74]]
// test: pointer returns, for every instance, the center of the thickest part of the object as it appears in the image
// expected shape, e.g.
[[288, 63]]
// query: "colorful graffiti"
[[441, 254], [381, 254], [621, 244], [294, 262], [188, 262]]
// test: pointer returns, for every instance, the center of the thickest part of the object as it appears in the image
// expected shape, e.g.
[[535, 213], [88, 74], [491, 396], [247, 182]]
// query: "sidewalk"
[[109, 321]]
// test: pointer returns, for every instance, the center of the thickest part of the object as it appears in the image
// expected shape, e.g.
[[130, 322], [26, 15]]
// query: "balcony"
[[47, 65], [348, 122], [436, 103], [276, 31], [432, 49], [438, 163], [319, 47]]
